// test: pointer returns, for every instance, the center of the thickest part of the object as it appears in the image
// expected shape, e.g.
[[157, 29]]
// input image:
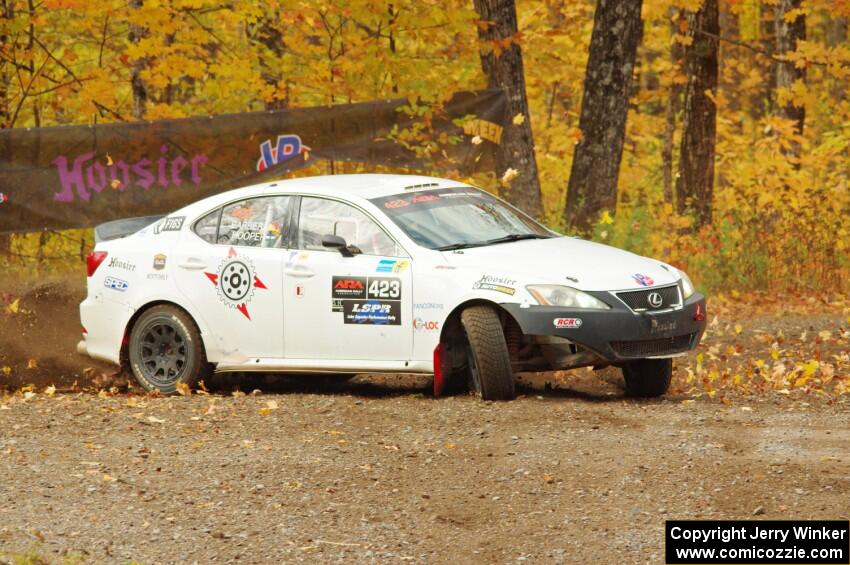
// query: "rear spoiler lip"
[[116, 229]]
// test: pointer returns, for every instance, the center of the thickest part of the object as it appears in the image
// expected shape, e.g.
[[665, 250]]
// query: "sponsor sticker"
[[421, 325], [159, 262], [428, 306], [299, 291], [376, 312], [3, 197], [567, 322], [643, 280], [349, 287], [286, 147], [367, 300], [391, 266], [662, 327], [115, 284], [174, 223], [497, 284], [157, 276], [116, 263], [384, 288], [235, 281]]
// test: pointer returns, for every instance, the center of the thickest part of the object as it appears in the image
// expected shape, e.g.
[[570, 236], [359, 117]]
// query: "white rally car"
[[377, 273]]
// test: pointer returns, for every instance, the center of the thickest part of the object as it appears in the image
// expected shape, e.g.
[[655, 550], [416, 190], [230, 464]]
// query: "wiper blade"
[[516, 237], [505, 239], [453, 246]]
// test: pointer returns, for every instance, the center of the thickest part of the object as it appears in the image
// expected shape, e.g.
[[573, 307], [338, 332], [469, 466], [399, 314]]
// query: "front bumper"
[[618, 334]]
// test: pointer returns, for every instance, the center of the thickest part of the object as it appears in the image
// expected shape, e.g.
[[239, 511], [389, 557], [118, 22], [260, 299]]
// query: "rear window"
[[253, 222]]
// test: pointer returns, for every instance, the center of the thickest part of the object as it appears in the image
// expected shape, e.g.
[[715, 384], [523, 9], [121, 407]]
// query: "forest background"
[[752, 92]]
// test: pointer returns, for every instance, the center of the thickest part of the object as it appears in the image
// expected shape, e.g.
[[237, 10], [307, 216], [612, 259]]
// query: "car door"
[[230, 270], [346, 308]]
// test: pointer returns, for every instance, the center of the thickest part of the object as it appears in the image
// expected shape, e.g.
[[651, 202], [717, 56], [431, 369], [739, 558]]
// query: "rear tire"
[[165, 350], [489, 363], [648, 378]]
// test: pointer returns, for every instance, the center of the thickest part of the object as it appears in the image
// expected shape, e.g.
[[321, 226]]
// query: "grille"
[[652, 347], [638, 300]]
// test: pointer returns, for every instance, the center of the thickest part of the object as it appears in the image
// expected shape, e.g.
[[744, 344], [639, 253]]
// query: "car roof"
[[365, 186], [361, 185]]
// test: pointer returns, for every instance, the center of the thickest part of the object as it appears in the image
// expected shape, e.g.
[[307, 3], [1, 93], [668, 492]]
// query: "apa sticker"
[[235, 281], [567, 322]]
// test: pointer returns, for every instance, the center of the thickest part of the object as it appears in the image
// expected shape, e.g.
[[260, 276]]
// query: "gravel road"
[[373, 474]]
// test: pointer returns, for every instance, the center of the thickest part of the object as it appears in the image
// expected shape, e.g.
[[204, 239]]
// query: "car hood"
[[570, 261]]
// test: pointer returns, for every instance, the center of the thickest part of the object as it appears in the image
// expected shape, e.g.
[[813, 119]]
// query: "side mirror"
[[335, 242]]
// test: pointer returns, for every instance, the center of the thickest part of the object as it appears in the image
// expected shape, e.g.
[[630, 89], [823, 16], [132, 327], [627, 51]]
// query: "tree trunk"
[[674, 106], [695, 182], [139, 88], [504, 70], [592, 187], [787, 36], [8, 13], [270, 37], [836, 36]]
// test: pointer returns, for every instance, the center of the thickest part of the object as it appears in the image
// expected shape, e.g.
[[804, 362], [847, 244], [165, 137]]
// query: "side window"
[[207, 227], [255, 222], [319, 217]]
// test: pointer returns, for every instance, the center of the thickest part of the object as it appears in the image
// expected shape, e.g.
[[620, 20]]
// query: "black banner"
[[79, 176], [816, 542]]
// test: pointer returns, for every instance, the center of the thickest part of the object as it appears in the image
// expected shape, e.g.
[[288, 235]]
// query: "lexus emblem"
[[654, 299]]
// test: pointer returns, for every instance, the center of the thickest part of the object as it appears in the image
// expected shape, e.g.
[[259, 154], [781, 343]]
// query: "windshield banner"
[[80, 176]]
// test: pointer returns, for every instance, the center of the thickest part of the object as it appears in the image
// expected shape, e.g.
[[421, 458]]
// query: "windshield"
[[454, 218]]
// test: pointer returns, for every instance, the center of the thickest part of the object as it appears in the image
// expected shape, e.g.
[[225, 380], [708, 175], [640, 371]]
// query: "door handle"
[[302, 272], [192, 264]]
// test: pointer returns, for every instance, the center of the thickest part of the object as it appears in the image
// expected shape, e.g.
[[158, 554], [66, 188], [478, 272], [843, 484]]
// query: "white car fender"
[[172, 295], [444, 295]]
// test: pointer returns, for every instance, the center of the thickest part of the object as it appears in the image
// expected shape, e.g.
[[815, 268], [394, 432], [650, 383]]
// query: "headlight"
[[687, 286], [557, 295]]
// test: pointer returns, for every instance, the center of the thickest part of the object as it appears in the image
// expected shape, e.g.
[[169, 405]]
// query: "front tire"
[[489, 363], [165, 350], [648, 378]]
